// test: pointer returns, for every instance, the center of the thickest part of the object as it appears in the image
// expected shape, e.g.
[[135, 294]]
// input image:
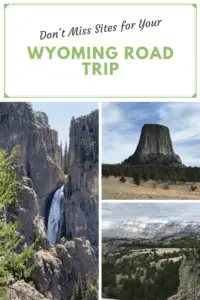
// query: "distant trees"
[[143, 278], [145, 176], [147, 288], [154, 172], [61, 159], [65, 159], [137, 179]]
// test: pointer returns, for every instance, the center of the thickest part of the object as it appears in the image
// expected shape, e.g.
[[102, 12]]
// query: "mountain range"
[[148, 229]]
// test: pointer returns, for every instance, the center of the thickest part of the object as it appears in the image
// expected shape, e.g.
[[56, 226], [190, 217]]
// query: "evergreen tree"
[[137, 179], [75, 293], [145, 176], [90, 293], [65, 158], [128, 172], [153, 175], [80, 293], [154, 172], [122, 172], [13, 265], [62, 156], [92, 290]]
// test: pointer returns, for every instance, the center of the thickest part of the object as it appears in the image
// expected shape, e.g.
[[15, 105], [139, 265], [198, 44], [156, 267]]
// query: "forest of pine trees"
[[167, 276], [154, 172]]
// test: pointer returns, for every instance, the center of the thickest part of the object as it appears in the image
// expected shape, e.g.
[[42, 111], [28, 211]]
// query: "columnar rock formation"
[[39, 151], [154, 147], [81, 208]]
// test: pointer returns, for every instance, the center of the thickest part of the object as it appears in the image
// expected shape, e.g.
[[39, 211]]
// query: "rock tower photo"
[[154, 147], [150, 151]]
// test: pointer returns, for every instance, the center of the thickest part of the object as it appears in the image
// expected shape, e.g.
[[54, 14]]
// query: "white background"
[[169, 78], [87, 16]]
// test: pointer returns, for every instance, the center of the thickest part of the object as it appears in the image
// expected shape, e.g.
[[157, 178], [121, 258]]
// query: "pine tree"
[[80, 293], [65, 158], [62, 156], [90, 293], [75, 293], [92, 290], [137, 179], [13, 265], [145, 176]]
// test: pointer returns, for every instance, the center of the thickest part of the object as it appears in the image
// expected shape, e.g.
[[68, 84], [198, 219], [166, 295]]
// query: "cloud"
[[112, 114], [183, 119], [120, 212], [122, 123], [108, 224]]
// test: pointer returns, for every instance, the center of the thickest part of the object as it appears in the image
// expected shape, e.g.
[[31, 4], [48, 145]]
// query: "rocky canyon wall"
[[39, 152], [81, 208], [187, 290], [58, 268]]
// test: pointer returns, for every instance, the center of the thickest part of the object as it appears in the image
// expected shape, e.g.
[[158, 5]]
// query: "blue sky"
[[122, 123], [113, 214], [61, 113]]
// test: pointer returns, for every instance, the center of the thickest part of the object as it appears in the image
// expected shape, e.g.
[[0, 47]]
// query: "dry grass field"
[[113, 189]]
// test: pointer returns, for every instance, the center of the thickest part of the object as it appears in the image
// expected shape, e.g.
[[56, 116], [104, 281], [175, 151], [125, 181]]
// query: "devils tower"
[[154, 147]]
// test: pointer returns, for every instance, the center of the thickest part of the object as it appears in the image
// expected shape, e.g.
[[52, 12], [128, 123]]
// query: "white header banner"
[[100, 50]]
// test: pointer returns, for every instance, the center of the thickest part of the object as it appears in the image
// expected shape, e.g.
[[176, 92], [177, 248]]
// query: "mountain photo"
[[151, 251]]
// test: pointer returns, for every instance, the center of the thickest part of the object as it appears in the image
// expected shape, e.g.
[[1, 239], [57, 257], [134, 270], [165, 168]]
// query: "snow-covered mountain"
[[153, 229]]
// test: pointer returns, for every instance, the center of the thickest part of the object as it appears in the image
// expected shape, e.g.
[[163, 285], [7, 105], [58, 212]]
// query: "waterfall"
[[54, 221]]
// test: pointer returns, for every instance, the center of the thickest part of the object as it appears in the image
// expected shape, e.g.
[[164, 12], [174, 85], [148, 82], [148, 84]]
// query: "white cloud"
[[156, 212], [183, 120], [107, 224], [111, 114]]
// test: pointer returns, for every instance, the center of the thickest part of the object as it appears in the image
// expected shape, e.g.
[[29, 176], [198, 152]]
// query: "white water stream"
[[54, 221]]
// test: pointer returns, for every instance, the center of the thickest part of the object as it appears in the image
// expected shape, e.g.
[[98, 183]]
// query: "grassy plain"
[[113, 189]]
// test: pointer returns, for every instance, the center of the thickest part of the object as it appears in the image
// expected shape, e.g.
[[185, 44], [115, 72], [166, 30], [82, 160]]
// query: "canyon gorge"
[[61, 208]]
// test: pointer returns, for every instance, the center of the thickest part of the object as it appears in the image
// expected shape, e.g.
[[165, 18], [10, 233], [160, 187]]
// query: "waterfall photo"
[[49, 222]]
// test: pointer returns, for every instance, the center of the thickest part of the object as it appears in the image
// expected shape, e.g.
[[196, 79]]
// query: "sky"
[[61, 113], [113, 214], [122, 124]]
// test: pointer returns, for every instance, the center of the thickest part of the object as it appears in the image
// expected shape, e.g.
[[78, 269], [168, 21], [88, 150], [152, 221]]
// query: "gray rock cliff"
[[81, 207], [186, 289], [39, 151], [154, 147], [58, 268], [20, 290]]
